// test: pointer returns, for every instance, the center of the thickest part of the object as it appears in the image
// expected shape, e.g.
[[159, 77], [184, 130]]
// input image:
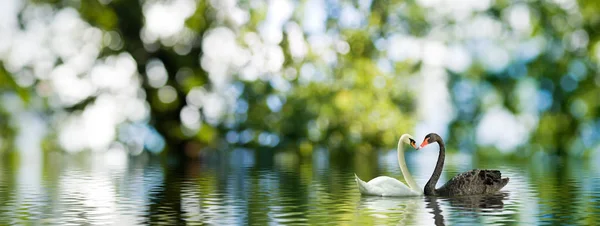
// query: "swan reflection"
[[399, 210], [479, 203], [471, 205]]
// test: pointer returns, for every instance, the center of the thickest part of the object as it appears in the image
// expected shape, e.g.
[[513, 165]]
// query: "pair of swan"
[[474, 182]]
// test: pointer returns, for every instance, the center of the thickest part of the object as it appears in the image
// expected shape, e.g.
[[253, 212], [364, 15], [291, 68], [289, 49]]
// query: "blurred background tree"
[[187, 76]]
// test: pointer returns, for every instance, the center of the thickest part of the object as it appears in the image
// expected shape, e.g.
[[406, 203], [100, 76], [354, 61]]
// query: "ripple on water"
[[300, 194]]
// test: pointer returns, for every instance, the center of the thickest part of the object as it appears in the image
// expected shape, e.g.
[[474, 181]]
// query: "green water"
[[242, 188]]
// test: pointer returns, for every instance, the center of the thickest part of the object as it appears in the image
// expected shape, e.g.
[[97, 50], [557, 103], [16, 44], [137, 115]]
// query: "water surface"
[[241, 187]]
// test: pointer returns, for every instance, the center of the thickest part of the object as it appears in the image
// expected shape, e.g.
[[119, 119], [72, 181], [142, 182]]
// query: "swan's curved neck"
[[430, 186], [402, 162]]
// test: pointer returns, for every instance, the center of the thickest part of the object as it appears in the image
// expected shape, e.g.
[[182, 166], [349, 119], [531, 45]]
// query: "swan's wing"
[[391, 186], [384, 186], [475, 182]]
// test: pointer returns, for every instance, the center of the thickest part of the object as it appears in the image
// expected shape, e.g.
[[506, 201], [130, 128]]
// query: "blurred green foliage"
[[345, 111], [8, 130]]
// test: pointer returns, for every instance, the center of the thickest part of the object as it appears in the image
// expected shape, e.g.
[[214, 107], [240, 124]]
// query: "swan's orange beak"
[[425, 143]]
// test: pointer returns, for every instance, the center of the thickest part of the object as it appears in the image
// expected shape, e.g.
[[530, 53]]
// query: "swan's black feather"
[[473, 182]]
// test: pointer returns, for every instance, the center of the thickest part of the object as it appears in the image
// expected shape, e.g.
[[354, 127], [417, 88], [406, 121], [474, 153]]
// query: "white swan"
[[387, 186]]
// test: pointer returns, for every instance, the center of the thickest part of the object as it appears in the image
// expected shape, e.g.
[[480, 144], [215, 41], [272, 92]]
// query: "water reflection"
[[479, 203], [242, 188], [471, 206], [408, 210], [433, 204], [391, 210]]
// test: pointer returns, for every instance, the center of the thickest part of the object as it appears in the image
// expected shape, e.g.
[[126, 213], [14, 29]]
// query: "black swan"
[[474, 182]]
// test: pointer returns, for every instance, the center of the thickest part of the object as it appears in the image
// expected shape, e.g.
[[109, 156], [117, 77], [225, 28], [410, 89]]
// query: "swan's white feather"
[[384, 186]]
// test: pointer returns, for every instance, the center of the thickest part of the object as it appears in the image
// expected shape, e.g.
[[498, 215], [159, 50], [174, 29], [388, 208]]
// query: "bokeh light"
[[343, 76]]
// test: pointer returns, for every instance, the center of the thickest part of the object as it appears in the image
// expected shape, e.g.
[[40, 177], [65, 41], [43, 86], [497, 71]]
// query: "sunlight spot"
[[24, 78], [279, 11], [434, 53], [342, 47], [78, 88], [483, 26], [280, 84], [518, 17], [274, 103], [350, 17], [165, 19], [196, 96], [190, 117], [167, 94], [99, 122], [494, 57], [156, 72], [222, 54], [213, 108], [116, 155], [297, 44], [114, 73], [404, 48], [525, 92], [458, 59], [113, 40], [314, 19], [274, 58], [500, 128], [577, 40]]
